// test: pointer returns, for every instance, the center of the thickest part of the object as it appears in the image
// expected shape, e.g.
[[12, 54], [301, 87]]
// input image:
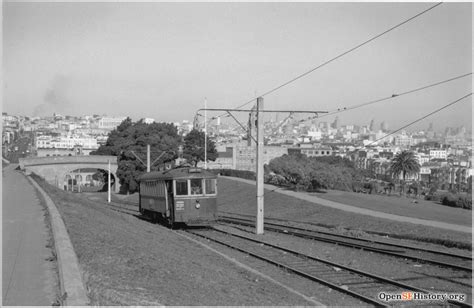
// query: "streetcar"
[[182, 195]]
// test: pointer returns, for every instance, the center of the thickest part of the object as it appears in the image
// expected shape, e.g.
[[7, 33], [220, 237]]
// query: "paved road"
[[358, 210], [27, 278]]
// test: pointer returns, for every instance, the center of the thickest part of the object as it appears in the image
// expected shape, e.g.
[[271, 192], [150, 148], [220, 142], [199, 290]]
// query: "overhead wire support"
[[241, 125], [251, 110], [228, 111], [422, 118], [258, 111], [137, 157]]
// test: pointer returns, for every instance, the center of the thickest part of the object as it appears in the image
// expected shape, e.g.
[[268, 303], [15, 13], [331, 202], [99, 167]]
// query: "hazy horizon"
[[161, 60]]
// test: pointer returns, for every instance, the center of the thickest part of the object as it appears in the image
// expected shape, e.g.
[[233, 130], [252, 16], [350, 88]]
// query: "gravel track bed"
[[408, 251], [319, 292], [426, 276]]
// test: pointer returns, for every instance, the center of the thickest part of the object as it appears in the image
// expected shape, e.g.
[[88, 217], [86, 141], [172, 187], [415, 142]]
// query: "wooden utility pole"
[[108, 184], [260, 144], [205, 133], [258, 114], [148, 165]]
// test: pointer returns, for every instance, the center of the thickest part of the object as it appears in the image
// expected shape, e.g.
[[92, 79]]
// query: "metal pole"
[[108, 185], [148, 167], [260, 145], [205, 133]]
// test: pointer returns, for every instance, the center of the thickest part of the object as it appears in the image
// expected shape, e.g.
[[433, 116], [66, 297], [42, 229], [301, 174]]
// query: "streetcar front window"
[[181, 187], [196, 187], [211, 186]]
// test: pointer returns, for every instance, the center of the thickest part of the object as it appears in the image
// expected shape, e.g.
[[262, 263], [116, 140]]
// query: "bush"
[[243, 174], [275, 179], [465, 202], [315, 173], [453, 200], [432, 197], [449, 199]]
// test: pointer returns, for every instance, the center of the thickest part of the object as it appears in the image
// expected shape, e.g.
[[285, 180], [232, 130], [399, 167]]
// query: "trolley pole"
[[108, 185], [148, 166], [260, 144]]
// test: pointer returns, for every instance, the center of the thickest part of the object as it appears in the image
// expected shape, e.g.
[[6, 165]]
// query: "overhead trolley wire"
[[341, 55], [352, 49], [422, 118], [395, 95]]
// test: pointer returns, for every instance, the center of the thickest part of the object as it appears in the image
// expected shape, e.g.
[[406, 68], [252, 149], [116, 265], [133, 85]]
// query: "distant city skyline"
[[376, 127], [161, 60]]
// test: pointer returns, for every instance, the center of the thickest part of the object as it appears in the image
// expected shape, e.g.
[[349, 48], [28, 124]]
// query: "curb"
[[70, 279]]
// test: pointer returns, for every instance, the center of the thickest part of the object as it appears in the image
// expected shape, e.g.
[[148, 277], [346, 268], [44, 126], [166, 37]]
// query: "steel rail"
[[278, 228], [351, 237], [296, 271], [116, 207], [309, 276]]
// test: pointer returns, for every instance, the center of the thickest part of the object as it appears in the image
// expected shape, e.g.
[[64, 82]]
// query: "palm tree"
[[405, 163]]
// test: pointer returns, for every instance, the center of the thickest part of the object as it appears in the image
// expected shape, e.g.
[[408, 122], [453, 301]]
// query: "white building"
[[438, 154], [49, 142], [148, 120], [315, 134], [110, 123], [423, 158], [404, 140]]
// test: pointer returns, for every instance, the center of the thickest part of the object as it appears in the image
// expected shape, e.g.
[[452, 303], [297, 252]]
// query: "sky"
[[163, 60]]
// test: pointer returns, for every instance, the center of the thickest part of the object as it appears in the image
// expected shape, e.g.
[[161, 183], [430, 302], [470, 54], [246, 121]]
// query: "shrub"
[[315, 173], [465, 202], [243, 174], [449, 199], [433, 189], [432, 197], [453, 200]]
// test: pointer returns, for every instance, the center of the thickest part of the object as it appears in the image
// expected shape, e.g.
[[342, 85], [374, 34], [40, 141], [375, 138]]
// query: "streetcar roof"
[[178, 173]]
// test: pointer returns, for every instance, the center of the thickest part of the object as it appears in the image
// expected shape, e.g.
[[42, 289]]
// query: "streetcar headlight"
[[197, 204]]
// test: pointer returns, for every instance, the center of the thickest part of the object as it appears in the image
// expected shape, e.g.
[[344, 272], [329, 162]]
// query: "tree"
[[131, 136], [404, 163], [193, 150], [313, 173]]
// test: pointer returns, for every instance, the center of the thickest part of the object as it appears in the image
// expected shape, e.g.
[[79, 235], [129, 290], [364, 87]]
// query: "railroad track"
[[358, 284], [454, 261], [122, 207], [417, 254]]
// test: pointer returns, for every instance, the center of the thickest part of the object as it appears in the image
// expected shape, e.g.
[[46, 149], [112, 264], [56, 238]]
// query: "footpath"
[[29, 277], [359, 210]]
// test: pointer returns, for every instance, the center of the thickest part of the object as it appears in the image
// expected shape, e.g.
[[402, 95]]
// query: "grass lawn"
[[240, 198], [129, 261], [402, 206]]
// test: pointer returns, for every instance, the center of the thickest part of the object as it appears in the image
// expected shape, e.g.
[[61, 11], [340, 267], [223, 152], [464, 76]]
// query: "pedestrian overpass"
[[60, 170]]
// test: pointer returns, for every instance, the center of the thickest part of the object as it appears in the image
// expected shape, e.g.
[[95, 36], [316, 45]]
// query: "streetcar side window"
[[196, 186], [210, 186], [181, 187]]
